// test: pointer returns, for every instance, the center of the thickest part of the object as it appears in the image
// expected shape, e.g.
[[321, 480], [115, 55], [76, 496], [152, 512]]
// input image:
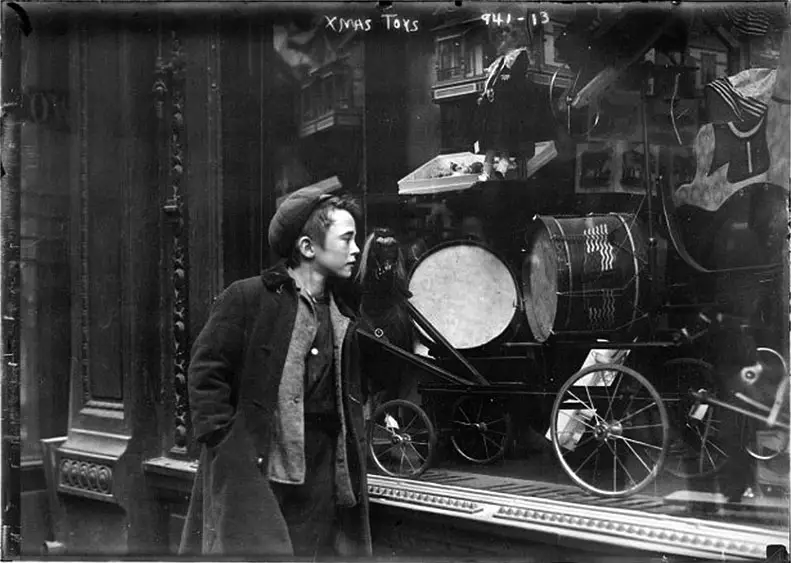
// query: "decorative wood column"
[[106, 506], [169, 91], [11, 198]]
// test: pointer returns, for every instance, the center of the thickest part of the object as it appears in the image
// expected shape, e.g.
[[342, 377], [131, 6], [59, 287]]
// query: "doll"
[[507, 106]]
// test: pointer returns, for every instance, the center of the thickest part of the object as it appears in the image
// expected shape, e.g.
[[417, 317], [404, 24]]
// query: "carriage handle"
[[720, 319]]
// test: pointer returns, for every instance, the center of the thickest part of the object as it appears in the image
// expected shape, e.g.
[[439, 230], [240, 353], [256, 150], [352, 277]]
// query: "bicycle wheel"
[[481, 429], [610, 417], [401, 439]]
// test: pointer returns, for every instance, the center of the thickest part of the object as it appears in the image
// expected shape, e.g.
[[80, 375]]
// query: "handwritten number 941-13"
[[535, 19]]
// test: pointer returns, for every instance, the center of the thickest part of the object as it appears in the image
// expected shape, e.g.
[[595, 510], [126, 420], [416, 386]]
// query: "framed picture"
[[678, 166], [614, 167], [594, 169]]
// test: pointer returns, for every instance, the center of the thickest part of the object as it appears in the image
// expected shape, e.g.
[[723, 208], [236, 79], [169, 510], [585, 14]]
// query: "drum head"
[[466, 292], [540, 285]]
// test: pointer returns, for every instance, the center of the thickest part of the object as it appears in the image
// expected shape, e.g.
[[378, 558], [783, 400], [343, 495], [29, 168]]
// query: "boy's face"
[[337, 256]]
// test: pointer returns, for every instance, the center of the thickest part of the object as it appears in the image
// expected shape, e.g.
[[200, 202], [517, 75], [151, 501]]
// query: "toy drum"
[[467, 293], [584, 274]]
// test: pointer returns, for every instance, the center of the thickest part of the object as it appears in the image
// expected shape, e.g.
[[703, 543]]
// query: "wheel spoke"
[[628, 445], [388, 431], [583, 421], [388, 450], [496, 444], [614, 395], [644, 426], [635, 413], [640, 442], [613, 449], [408, 426], [589, 407], [702, 459], [588, 393], [414, 449], [501, 419], [587, 459], [461, 410]]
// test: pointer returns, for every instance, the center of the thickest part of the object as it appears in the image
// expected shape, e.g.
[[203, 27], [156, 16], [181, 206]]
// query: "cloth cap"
[[293, 213]]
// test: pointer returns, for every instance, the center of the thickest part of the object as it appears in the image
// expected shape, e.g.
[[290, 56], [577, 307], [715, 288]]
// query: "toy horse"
[[733, 155], [382, 281]]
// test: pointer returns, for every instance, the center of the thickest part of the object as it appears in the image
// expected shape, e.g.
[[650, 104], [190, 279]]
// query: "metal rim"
[[750, 445], [612, 431], [708, 455], [401, 439], [516, 318], [482, 422]]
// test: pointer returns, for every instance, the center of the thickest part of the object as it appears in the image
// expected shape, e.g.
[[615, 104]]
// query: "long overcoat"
[[234, 376]]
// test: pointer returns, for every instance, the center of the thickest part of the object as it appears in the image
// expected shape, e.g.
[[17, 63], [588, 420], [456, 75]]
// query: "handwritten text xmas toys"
[[390, 22]]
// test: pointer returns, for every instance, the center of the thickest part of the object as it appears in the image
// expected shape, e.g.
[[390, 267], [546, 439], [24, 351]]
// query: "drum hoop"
[[557, 235], [567, 259], [465, 242], [519, 307], [636, 265]]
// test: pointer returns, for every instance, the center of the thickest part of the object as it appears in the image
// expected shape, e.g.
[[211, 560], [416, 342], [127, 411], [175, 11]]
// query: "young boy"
[[276, 399]]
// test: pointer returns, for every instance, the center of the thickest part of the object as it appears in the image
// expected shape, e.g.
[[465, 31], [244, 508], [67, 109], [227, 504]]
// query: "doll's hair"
[[517, 33]]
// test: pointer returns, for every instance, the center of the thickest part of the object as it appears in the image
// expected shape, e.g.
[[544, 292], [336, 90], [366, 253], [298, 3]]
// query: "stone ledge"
[[622, 528]]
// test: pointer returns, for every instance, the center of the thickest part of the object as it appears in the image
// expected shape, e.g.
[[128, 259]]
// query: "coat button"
[[296, 400], [314, 351]]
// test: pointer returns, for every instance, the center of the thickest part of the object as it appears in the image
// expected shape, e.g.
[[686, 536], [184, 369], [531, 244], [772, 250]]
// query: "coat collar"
[[276, 277]]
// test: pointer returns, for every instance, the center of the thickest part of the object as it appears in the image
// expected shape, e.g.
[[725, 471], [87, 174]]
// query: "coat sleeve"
[[217, 355]]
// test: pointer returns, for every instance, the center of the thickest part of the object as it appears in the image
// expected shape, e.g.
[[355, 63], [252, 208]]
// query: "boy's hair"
[[319, 223]]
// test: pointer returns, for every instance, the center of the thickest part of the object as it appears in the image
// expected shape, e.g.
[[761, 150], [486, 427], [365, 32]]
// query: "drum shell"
[[584, 275], [471, 306]]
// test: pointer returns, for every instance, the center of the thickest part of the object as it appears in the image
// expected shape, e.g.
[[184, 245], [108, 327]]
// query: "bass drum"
[[467, 293], [584, 274]]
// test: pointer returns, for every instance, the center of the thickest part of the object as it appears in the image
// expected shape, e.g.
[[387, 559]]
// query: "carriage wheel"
[[610, 430], [481, 429], [401, 439], [767, 443], [695, 449]]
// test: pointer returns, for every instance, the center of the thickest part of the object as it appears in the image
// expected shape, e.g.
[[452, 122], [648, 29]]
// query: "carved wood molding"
[[84, 272], [86, 478], [11, 293], [621, 527], [169, 85]]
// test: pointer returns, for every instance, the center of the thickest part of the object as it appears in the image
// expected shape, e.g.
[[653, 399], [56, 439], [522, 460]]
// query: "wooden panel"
[[241, 122], [264, 58], [203, 167], [385, 101], [45, 342], [105, 213], [142, 233]]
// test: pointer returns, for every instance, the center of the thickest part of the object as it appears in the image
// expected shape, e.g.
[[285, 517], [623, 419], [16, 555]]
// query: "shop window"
[[328, 93], [450, 52], [708, 67]]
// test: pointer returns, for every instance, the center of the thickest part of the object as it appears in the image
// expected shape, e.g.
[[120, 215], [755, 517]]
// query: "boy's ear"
[[305, 246]]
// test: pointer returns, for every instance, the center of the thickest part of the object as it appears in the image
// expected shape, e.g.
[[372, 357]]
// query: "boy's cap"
[[294, 211]]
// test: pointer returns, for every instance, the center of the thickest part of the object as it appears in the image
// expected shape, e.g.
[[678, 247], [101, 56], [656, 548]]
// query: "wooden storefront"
[[145, 148]]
